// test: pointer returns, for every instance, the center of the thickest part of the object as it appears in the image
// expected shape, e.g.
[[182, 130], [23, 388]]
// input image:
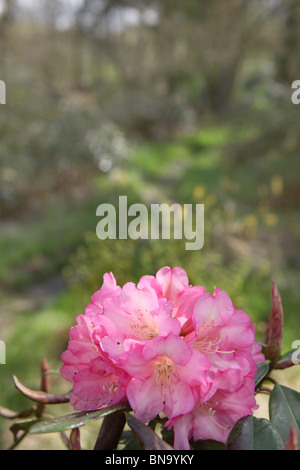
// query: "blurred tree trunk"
[[220, 81], [217, 36], [288, 60], [7, 15], [230, 29], [77, 56]]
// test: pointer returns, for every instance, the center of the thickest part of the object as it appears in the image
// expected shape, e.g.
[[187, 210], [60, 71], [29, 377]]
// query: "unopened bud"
[[274, 331]]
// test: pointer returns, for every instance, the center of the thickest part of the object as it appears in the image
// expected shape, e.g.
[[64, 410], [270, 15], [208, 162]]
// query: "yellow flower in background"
[[199, 192], [276, 185], [250, 223], [120, 176], [271, 219]]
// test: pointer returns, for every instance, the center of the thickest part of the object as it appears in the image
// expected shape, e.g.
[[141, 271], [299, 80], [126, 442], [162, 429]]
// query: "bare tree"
[[288, 60], [7, 12]]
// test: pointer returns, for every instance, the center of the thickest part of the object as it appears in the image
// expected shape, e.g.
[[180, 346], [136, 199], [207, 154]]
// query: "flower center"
[[210, 344], [144, 328], [163, 373], [209, 410], [110, 388]]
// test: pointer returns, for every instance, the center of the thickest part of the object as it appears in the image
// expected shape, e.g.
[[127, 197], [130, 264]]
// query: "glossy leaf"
[[74, 420], [262, 371], [208, 445], [148, 439], [287, 356], [251, 433], [128, 441], [168, 435], [284, 410], [285, 361]]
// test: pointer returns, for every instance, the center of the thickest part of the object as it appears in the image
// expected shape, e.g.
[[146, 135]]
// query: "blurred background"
[[162, 101]]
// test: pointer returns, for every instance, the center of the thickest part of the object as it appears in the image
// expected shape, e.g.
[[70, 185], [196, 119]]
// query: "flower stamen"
[[163, 373], [210, 345], [208, 409], [144, 328]]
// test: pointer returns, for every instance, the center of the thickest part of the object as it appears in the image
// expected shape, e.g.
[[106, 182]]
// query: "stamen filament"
[[211, 345], [225, 428]]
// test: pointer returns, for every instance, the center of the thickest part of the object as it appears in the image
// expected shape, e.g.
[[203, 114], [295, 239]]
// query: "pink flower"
[[168, 283], [173, 284], [166, 347], [101, 383], [136, 314], [84, 361], [164, 372], [81, 350], [215, 417], [225, 335], [113, 316], [108, 290]]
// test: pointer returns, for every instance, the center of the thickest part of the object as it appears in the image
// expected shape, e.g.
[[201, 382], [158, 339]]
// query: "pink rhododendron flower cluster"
[[166, 347]]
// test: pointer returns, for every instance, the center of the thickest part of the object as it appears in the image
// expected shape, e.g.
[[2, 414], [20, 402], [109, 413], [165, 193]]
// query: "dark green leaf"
[[262, 370], [168, 435], [284, 410], [148, 439], [74, 420], [287, 356], [251, 433], [287, 360], [128, 441], [208, 445]]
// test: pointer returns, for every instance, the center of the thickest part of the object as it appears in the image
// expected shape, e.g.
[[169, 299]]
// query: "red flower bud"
[[274, 331], [292, 442], [75, 439]]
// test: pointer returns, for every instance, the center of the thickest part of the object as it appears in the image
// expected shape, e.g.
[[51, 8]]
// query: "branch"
[[41, 397]]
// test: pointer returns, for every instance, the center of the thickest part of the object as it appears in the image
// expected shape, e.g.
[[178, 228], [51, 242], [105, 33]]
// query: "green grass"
[[153, 159], [38, 249]]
